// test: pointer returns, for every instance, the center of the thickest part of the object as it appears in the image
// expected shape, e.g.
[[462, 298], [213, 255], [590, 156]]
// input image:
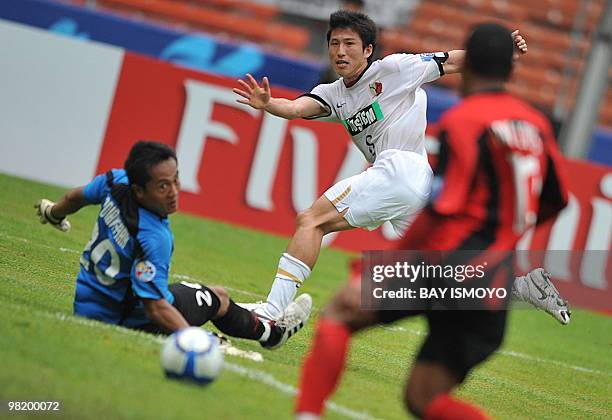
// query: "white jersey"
[[385, 109]]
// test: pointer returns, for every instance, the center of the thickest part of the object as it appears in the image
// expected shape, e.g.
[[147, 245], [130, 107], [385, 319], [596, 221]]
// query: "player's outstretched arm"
[[55, 213], [456, 58], [260, 97]]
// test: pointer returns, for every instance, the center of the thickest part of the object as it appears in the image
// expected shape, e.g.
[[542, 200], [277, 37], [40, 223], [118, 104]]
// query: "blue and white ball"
[[192, 354]]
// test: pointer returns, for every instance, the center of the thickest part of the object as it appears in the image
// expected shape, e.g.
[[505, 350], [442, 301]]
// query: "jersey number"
[[371, 146], [201, 296], [528, 185], [106, 277]]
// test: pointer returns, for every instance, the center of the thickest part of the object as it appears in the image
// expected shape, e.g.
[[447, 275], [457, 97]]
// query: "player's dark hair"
[[143, 156], [488, 51], [355, 21]]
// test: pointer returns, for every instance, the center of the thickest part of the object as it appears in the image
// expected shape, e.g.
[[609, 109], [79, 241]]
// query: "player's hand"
[[43, 210], [253, 94], [520, 45]]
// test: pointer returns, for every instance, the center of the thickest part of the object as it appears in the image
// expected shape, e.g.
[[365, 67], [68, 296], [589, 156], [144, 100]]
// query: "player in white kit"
[[382, 106]]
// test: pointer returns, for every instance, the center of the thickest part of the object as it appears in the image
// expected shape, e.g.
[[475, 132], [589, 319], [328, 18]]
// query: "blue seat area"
[[196, 50]]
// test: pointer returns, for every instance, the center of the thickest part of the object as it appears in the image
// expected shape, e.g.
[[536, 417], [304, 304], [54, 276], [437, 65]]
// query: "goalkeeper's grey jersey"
[[385, 109]]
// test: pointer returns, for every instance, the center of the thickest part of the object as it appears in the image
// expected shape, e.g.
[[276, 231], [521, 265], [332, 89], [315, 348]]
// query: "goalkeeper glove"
[[43, 209]]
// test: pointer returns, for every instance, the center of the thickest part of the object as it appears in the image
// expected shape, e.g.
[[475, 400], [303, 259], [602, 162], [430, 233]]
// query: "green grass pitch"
[[96, 371]]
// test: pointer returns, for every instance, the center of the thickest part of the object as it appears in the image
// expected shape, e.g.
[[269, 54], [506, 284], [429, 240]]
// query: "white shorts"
[[394, 189]]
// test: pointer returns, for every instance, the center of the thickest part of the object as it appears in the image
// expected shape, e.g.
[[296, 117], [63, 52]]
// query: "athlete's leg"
[[301, 255], [236, 321], [427, 394], [323, 367], [394, 187], [311, 225], [199, 304]]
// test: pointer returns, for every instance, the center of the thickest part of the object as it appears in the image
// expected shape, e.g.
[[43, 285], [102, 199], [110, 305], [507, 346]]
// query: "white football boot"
[[537, 289], [293, 319]]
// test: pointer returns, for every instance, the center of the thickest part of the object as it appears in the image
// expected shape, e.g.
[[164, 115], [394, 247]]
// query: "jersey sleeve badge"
[[145, 271]]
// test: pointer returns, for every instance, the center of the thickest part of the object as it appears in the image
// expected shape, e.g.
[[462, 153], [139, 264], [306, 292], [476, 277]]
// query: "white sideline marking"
[[73, 251], [269, 380], [253, 374], [510, 353], [553, 362], [230, 350]]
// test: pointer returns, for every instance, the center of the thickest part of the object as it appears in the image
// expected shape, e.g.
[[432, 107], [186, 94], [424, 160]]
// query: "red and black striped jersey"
[[498, 174]]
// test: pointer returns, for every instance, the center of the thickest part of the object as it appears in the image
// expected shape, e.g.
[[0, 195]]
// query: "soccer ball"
[[192, 354]]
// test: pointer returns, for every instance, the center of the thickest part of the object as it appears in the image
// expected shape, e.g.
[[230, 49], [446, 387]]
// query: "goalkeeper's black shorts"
[[198, 306]]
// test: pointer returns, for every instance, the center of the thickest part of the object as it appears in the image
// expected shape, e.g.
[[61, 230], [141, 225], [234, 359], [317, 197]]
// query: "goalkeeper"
[[123, 278]]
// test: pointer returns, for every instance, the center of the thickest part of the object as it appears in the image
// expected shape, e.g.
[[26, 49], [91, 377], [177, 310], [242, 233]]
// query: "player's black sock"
[[241, 323]]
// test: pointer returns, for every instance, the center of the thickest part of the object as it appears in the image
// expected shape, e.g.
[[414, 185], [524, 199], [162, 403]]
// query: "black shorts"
[[458, 340], [197, 303]]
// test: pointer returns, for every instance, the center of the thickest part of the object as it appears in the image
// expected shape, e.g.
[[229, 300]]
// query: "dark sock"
[[241, 323]]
